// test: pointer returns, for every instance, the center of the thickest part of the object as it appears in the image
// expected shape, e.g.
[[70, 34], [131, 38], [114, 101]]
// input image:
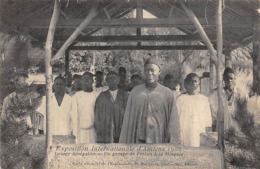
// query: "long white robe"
[[195, 116], [84, 104], [63, 120]]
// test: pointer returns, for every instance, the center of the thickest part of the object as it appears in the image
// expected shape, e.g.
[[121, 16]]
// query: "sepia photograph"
[[133, 84]]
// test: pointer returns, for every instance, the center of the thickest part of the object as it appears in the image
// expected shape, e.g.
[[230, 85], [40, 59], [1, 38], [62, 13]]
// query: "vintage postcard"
[[135, 84]]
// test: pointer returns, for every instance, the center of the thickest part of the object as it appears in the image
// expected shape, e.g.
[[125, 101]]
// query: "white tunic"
[[84, 103], [195, 116], [62, 117]]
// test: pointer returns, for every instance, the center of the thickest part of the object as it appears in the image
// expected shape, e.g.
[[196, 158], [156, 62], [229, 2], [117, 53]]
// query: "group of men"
[[150, 113]]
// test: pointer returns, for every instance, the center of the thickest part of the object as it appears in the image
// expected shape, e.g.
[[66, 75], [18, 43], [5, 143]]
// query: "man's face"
[[170, 84], [112, 80], [122, 75], [136, 81], [193, 84], [99, 78], [87, 81], [151, 73], [77, 83], [229, 80], [59, 86]]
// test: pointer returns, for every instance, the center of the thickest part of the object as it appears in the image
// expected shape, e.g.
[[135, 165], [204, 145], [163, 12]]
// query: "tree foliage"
[[242, 148]]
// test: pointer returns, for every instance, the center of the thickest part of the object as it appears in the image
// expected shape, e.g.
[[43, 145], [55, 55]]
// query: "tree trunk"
[[48, 69], [256, 53], [221, 111]]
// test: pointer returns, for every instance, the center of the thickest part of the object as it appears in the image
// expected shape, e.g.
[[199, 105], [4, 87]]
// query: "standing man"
[[76, 84], [136, 80], [169, 81], [99, 82], [231, 96], [62, 114], [148, 111], [194, 111], [84, 103], [122, 79], [109, 111]]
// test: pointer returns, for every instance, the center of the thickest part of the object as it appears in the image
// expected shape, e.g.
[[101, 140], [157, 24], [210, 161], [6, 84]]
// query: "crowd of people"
[[143, 111]]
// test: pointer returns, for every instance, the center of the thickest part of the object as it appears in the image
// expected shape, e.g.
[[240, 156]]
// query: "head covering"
[[152, 61]]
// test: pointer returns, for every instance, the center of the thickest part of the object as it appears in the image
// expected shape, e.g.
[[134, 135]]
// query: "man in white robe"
[[84, 103], [63, 120], [194, 112]]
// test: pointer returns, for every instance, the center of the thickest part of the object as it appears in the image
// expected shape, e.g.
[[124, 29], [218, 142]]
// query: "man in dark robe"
[[109, 111], [148, 110], [123, 84]]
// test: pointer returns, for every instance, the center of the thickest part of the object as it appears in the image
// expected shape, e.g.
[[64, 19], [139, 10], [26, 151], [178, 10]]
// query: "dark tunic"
[[109, 116], [147, 116]]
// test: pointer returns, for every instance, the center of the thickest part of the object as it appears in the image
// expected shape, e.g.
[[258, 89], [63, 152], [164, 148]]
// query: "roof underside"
[[33, 17]]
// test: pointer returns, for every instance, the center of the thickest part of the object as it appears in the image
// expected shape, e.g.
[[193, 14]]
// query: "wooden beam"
[[143, 38], [179, 47], [201, 31], [48, 70], [93, 12], [170, 13], [107, 14], [118, 15], [133, 22]]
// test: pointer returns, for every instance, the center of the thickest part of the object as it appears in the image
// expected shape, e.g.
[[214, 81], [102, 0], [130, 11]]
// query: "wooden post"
[[256, 52], [221, 111], [201, 31], [228, 62], [93, 12], [212, 76], [139, 15], [48, 71], [67, 61]]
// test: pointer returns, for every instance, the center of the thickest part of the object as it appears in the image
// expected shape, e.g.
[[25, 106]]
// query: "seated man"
[[110, 110]]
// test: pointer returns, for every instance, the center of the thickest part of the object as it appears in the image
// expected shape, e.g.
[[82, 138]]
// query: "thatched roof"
[[32, 18]]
